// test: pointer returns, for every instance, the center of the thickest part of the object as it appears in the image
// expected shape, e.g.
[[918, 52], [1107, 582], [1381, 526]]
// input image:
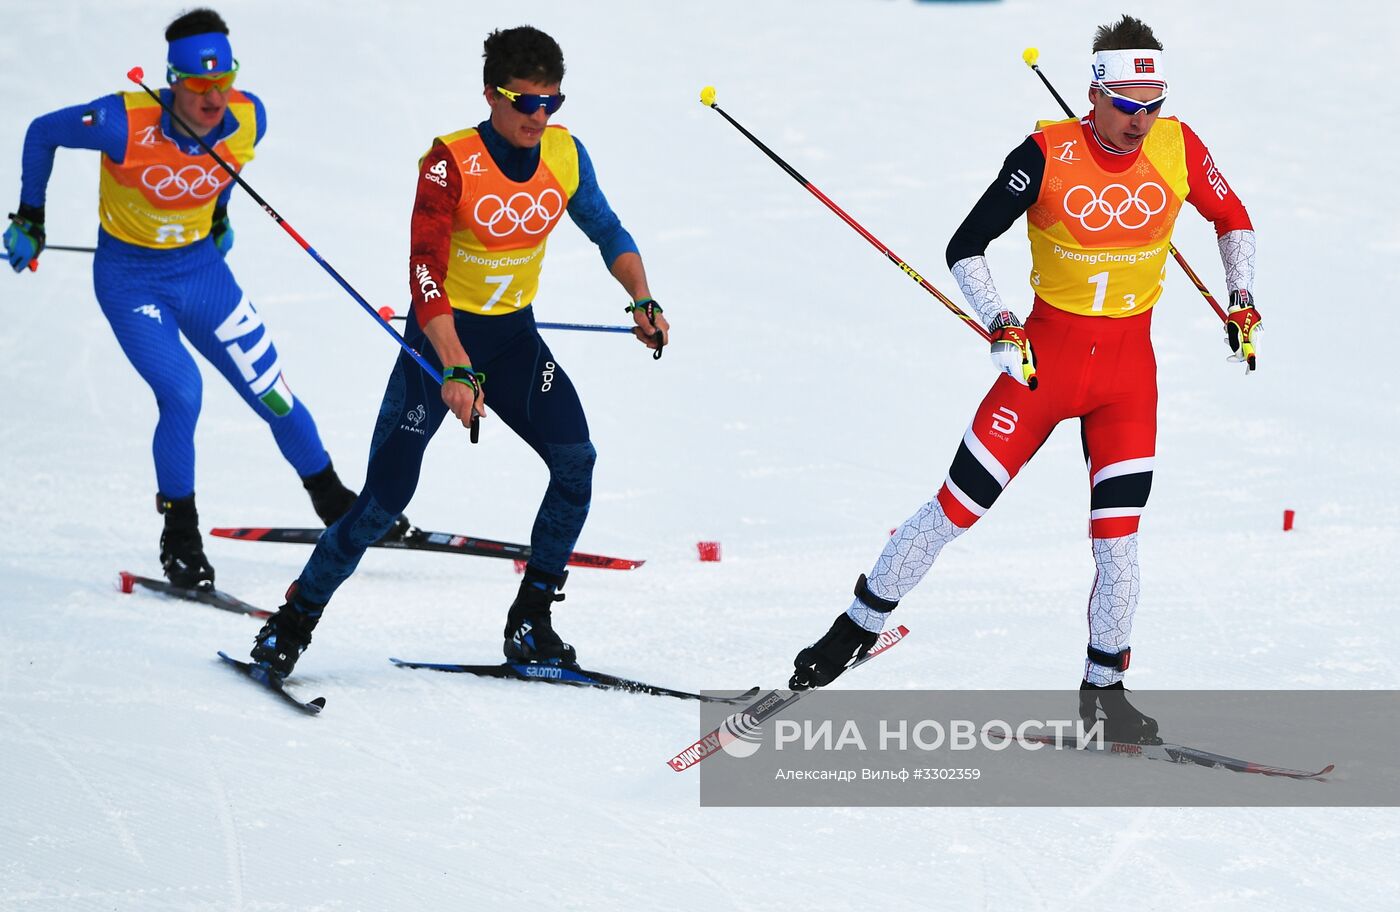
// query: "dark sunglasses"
[[529, 104], [1131, 106]]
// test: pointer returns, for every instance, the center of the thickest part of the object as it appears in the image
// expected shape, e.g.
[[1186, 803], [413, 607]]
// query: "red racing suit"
[[1100, 224]]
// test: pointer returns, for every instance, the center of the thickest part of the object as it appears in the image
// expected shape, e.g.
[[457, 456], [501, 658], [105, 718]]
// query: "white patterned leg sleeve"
[[908, 555], [1112, 602]]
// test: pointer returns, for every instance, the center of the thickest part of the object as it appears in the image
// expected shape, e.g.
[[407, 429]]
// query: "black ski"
[[126, 582], [578, 677], [420, 540], [260, 675], [1178, 753]]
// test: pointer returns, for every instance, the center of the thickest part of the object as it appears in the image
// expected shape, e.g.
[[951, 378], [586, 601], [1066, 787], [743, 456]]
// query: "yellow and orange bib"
[[158, 196], [1099, 239], [501, 226]]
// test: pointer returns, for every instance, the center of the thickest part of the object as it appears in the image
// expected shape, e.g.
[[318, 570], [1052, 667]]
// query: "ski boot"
[[330, 498], [529, 635], [285, 635], [181, 548], [845, 643], [1121, 720]]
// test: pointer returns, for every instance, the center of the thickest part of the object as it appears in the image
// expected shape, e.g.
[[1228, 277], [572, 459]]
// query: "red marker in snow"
[[1287, 520]]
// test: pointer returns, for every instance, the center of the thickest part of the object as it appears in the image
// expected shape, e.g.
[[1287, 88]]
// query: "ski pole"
[[34, 263], [388, 314], [1031, 56], [707, 98], [137, 75]]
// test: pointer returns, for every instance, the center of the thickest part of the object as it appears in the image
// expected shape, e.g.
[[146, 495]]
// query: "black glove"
[[822, 662]]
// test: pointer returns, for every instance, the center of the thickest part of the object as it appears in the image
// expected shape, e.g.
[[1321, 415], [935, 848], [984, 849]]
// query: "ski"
[[746, 722], [1178, 753], [419, 540], [259, 675], [127, 582], [562, 674]]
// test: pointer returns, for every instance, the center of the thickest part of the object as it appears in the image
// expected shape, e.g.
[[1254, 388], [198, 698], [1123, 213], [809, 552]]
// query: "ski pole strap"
[[464, 374], [871, 600], [651, 309], [648, 305], [1118, 661]]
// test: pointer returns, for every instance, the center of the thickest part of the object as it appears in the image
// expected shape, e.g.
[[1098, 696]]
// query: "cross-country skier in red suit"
[[1100, 196]]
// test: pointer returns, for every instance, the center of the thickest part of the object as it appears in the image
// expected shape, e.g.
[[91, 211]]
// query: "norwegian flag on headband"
[[1127, 68]]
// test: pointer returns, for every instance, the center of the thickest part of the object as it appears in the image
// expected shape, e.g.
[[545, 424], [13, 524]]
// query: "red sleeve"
[[430, 233], [1209, 192]]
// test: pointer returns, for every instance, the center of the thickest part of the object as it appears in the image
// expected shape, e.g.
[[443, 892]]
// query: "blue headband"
[[201, 54]]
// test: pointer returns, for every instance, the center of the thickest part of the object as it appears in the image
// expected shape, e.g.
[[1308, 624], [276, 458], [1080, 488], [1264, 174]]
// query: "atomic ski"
[[419, 540], [126, 582], [562, 674], [260, 675], [1175, 753], [744, 723]]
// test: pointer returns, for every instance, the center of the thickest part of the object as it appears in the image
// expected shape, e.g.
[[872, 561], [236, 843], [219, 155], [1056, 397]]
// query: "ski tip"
[[1324, 771], [126, 582], [316, 705], [1031, 56], [251, 533]]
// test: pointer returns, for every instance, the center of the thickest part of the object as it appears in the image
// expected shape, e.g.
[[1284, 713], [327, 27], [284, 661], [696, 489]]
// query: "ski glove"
[[1243, 327], [1011, 349], [822, 662], [221, 231], [24, 239]]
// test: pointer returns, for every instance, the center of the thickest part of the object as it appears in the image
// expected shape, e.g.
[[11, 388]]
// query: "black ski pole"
[[137, 75]]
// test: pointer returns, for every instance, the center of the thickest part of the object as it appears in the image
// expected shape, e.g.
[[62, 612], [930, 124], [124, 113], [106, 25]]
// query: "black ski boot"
[[529, 635], [1121, 720], [181, 548], [330, 498], [285, 635], [843, 645]]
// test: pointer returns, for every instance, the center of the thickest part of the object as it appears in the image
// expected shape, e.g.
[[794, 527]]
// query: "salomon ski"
[[260, 675], [563, 674]]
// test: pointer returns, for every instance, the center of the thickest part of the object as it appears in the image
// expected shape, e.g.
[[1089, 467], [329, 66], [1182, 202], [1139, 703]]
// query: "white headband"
[[1127, 69]]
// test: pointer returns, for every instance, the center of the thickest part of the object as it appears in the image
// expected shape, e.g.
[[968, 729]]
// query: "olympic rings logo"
[[1116, 204], [522, 212], [168, 184]]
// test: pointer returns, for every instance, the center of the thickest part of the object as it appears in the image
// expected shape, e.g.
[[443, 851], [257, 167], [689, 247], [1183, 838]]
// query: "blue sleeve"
[[100, 125], [590, 211]]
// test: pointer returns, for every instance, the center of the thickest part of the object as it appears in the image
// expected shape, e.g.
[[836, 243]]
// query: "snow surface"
[[811, 401]]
